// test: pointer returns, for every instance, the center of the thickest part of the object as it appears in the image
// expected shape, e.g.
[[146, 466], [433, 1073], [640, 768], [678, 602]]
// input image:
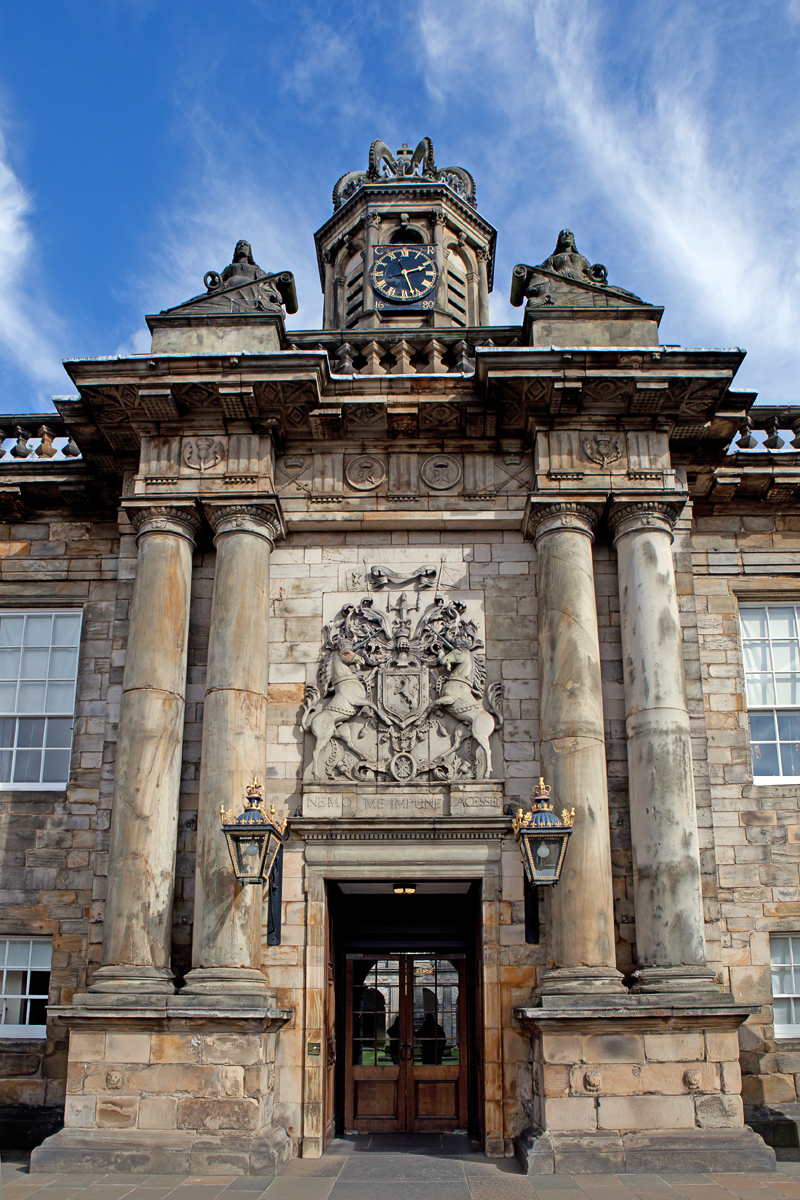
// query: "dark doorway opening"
[[405, 1042]]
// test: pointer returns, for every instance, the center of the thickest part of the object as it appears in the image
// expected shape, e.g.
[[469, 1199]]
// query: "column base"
[[163, 1152], [675, 979], [212, 981], [693, 1150], [170, 1086], [583, 981], [125, 980], [638, 1083]]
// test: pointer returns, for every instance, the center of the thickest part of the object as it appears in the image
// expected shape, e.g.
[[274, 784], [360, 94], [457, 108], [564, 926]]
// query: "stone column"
[[439, 224], [144, 817], [226, 947], [670, 941], [573, 759], [483, 255], [371, 240]]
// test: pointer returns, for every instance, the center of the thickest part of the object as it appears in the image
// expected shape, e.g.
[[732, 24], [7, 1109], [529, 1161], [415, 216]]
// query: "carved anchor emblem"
[[602, 449], [201, 453]]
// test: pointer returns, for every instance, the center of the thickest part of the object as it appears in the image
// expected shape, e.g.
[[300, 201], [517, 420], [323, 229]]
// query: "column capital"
[[183, 520], [640, 512], [556, 516], [260, 520]]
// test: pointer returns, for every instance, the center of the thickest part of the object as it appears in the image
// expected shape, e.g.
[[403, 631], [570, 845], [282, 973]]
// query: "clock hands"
[[411, 270]]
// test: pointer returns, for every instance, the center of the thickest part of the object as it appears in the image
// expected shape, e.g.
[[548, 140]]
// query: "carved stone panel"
[[205, 464], [401, 694]]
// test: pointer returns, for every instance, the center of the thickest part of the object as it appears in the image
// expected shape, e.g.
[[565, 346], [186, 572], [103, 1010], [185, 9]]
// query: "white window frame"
[[62, 714], [775, 707], [24, 1030]]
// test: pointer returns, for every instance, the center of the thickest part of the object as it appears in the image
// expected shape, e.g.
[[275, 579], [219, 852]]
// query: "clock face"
[[403, 273]]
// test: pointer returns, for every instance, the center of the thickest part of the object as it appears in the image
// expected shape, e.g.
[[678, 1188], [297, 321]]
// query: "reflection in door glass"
[[436, 1041], [376, 995]]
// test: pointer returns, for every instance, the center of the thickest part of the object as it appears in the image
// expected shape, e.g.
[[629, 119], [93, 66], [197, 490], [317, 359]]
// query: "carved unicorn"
[[461, 696]]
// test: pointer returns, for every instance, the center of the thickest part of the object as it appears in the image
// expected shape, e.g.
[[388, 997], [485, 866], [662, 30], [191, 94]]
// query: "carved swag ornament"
[[402, 697]]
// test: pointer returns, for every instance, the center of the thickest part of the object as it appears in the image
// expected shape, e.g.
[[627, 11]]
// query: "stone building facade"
[[398, 569]]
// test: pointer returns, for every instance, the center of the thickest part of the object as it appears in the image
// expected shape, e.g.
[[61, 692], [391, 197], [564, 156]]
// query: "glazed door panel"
[[437, 1084], [374, 1091], [406, 1059]]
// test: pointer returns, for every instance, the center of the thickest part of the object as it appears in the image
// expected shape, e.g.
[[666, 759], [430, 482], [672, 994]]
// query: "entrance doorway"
[[405, 1058], [403, 1009]]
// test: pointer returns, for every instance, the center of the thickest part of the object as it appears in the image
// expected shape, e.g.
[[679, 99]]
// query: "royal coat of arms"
[[401, 695]]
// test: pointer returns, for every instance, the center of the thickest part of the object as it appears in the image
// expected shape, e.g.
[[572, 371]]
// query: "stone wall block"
[[79, 1111], [86, 1047], [719, 1112], [613, 1048], [121, 1112], [555, 1080], [674, 1047], [573, 1112], [731, 1076], [646, 1112], [213, 1115], [235, 1049], [127, 1047], [158, 1112], [175, 1048], [721, 1047], [768, 1089]]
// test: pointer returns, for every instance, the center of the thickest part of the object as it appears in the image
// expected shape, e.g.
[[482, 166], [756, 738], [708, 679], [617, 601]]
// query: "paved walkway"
[[367, 1169]]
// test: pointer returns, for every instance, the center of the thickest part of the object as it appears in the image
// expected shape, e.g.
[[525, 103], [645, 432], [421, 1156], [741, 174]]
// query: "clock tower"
[[405, 247]]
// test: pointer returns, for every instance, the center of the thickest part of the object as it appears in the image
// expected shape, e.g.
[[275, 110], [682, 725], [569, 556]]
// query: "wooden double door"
[[405, 1045]]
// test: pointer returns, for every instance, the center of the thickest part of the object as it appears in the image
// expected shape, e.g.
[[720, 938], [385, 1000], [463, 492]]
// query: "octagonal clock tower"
[[405, 247]]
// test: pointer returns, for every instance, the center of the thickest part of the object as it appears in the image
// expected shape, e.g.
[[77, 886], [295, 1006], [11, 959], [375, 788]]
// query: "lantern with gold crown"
[[254, 837], [542, 837]]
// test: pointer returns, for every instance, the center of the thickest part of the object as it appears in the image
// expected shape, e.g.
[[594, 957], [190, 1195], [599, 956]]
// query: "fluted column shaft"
[[670, 940], [226, 946], [573, 759], [144, 817], [483, 254]]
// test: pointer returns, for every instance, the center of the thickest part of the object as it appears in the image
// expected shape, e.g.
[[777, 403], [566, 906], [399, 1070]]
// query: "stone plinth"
[[637, 1085], [180, 1087]]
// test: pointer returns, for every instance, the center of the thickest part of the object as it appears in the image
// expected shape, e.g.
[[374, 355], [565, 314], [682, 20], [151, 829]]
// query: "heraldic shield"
[[401, 694]]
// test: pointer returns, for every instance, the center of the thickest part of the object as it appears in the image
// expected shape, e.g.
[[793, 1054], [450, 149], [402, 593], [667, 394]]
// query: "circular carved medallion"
[[441, 471], [365, 473], [402, 767]]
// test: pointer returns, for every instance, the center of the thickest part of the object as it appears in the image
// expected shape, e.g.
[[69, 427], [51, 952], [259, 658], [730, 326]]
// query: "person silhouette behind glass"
[[430, 1034]]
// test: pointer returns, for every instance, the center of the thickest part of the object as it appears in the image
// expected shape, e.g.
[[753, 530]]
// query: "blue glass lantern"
[[542, 837], [254, 837]]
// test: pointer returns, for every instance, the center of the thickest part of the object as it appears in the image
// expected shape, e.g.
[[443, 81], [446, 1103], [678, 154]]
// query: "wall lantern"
[[254, 837], [542, 837], [404, 889]]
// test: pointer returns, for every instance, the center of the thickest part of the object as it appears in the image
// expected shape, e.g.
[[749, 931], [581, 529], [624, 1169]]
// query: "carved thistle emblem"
[[602, 449], [401, 694], [201, 453]]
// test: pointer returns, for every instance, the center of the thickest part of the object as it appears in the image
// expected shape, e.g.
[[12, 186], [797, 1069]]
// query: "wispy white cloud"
[[232, 194], [689, 189], [29, 330]]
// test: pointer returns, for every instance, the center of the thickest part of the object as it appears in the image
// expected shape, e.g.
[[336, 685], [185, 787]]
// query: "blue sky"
[[139, 139]]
